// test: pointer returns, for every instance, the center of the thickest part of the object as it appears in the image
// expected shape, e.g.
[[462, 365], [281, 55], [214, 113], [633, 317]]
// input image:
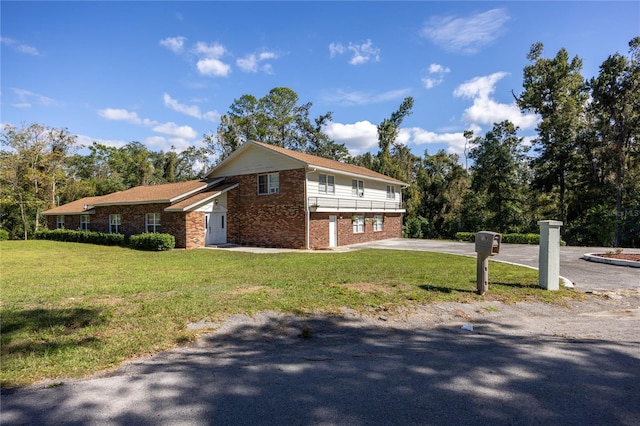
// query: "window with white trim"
[[152, 222], [377, 223], [268, 184], [326, 184], [357, 188], [84, 222], [391, 192], [60, 221], [115, 220], [358, 224]]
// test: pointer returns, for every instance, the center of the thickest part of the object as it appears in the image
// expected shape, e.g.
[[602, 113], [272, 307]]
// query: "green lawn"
[[70, 309]]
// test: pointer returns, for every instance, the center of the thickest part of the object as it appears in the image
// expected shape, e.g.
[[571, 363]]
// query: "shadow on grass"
[[445, 290], [40, 331]]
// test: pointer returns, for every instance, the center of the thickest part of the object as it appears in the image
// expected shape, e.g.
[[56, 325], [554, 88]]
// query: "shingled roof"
[[146, 194], [309, 160]]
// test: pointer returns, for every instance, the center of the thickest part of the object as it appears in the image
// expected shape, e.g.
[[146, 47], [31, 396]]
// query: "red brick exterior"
[[319, 229], [186, 227], [271, 220]]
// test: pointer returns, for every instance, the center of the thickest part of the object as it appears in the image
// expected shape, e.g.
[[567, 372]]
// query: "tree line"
[[582, 167]]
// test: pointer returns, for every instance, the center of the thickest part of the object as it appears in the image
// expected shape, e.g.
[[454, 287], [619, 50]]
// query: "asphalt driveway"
[[585, 275]]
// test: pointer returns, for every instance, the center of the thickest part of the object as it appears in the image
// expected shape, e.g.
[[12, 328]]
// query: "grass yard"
[[68, 310]]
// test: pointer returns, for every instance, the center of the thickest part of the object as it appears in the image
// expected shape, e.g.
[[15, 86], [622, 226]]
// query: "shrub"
[[87, 237], [417, 227], [506, 238], [152, 242], [4, 235]]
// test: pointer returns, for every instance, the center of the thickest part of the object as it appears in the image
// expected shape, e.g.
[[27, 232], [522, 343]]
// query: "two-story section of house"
[[287, 198], [261, 195]]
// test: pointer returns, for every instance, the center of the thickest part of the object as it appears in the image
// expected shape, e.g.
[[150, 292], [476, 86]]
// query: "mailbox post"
[[487, 244]]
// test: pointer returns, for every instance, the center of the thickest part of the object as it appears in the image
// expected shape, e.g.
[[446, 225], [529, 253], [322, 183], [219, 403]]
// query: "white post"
[[549, 257]]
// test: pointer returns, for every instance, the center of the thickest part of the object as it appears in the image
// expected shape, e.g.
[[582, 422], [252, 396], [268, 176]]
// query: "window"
[[377, 223], [114, 223], [357, 188], [60, 221], [84, 222], [391, 192], [268, 184], [358, 224], [327, 184], [152, 222]]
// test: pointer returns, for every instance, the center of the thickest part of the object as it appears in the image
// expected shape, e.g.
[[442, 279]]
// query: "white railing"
[[351, 204]]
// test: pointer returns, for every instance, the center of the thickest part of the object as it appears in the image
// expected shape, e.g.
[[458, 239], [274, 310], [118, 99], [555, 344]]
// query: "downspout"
[[307, 230]]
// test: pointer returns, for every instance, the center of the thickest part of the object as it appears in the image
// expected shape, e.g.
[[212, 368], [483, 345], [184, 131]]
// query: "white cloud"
[[486, 110], [213, 50], [86, 141], [213, 67], [172, 129], [175, 44], [439, 71], [252, 62], [26, 99], [190, 110], [363, 98], [466, 34], [19, 47], [116, 114], [361, 53], [358, 137]]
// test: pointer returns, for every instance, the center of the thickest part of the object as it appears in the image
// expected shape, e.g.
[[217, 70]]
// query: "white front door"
[[216, 228], [333, 231]]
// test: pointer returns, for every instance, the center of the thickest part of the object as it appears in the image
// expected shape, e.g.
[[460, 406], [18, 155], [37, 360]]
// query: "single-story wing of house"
[[261, 195]]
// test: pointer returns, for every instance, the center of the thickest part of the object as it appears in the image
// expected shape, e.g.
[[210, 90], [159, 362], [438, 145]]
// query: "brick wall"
[[319, 229], [272, 220], [187, 228]]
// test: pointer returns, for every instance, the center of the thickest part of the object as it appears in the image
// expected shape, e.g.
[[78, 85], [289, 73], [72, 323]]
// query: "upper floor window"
[[357, 188], [269, 184], [327, 184], [152, 222], [84, 222], [60, 221], [391, 192], [115, 220]]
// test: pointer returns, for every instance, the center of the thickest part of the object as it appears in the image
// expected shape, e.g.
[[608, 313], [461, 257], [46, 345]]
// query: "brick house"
[[262, 195]]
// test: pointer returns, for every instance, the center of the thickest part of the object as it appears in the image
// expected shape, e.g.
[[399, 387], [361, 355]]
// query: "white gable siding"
[[256, 160], [373, 190]]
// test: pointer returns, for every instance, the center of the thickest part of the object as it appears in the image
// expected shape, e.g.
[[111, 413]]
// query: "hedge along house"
[[261, 195]]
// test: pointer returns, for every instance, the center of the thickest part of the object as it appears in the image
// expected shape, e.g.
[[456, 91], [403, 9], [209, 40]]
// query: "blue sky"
[[162, 73]]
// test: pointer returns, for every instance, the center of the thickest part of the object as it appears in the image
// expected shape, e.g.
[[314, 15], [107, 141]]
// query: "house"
[[261, 195]]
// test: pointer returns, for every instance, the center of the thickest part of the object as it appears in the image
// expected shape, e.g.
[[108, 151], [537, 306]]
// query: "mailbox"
[[488, 242]]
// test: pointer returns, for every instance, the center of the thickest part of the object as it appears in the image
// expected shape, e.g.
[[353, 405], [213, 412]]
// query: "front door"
[[216, 228], [333, 231]]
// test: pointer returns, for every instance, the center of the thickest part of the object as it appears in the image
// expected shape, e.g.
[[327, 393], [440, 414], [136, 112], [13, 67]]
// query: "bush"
[[506, 238], [4, 235], [87, 237], [152, 242], [417, 227]]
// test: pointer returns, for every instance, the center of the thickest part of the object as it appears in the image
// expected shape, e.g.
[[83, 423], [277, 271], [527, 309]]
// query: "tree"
[[499, 172], [615, 109], [554, 89], [275, 119], [443, 184], [388, 131], [32, 170]]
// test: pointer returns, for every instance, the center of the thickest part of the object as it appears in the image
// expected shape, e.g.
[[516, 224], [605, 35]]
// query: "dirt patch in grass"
[[252, 289]]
